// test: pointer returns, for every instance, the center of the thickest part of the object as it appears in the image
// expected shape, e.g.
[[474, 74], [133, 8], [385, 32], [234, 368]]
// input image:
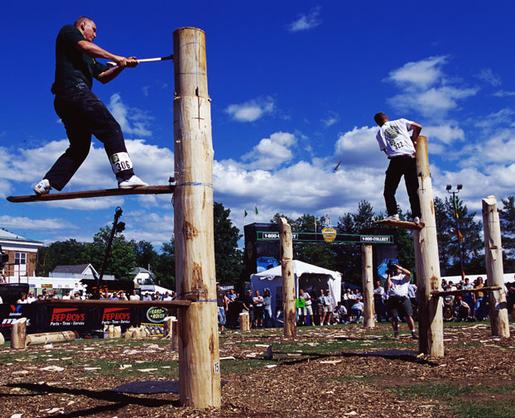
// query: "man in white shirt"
[[395, 140], [397, 286]]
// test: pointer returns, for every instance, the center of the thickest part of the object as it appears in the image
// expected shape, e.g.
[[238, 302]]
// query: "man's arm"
[[416, 128], [405, 271], [112, 72]]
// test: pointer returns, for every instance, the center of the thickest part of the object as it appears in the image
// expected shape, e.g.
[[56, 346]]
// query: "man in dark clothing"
[[81, 112], [397, 139]]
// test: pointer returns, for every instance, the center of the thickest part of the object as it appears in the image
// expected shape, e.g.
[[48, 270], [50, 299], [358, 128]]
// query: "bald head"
[[87, 27]]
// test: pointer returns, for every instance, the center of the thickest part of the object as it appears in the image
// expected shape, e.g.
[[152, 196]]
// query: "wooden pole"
[[499, 320], [427, 261], [367, 277], [199, 362], [244, 322], [19, 334], [290, 317]]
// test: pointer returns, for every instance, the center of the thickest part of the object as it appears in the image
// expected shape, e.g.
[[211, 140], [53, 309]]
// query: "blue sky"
[[294, 86]]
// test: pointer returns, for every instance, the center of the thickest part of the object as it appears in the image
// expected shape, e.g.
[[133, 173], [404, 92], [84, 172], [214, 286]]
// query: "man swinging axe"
[[395, 140], [81, 112]]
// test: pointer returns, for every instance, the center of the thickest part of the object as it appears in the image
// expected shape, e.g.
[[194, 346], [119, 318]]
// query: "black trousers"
[[398, 167], [83, 115]]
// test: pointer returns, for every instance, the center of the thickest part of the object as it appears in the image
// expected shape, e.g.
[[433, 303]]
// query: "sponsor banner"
[[116, 316], [82, 319], [329, 234]]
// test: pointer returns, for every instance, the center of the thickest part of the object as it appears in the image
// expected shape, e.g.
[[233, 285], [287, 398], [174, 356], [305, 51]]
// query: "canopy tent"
[[311, 279]]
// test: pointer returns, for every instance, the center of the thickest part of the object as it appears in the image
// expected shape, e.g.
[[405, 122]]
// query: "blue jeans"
[[221, 316]]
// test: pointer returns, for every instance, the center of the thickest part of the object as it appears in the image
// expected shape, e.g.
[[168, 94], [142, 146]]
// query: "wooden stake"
[[499, 320], [290, 317], [19, 334], [244, 322], [199, 363], [427, 261], [175, 334], [367, 277]]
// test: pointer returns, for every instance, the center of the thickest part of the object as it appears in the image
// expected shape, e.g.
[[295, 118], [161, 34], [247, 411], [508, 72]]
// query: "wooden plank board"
[[178, 303], [401, 224], [85, 194]]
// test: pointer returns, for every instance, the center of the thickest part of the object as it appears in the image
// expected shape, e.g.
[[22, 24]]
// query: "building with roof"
[[77, 272], [22, 253]]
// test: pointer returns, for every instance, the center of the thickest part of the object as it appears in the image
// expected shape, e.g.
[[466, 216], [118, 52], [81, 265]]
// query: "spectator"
[[167, 297], [379, 306], [267, 303], [300, 304], [308, 311], [134, 295], [412, 295], [327, 301], [221, 303], [31, 298], [341, 313], [321, 307], [462, 309], [357, 310], [397, 284], [479, 302], [66, 296], [23, 298], [258, 303], [249, 306]]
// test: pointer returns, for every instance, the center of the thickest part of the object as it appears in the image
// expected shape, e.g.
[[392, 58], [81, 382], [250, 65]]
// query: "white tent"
[[272, 279]]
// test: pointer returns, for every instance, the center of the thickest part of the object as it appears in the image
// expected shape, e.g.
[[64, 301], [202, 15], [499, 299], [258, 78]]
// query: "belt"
[[410, 156]]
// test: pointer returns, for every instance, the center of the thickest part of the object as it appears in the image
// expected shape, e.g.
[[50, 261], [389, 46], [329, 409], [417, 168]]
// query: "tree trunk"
[[367, 277], [290, 317], [199, 362]]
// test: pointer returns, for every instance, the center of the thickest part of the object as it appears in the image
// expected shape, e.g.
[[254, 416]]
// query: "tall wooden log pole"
[[428, 262], [367, 277], [199, 362], [290, 317], [494, 268]]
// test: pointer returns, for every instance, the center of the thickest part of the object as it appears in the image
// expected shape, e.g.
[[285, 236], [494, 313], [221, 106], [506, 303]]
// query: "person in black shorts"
[[397, 285], [81, 112]]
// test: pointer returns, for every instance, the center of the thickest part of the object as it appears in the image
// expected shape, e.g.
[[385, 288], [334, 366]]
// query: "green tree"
[[228, 259], [68, 252], [507, 219], [122, 258], [164, 267], [451, 215], [145, 254]]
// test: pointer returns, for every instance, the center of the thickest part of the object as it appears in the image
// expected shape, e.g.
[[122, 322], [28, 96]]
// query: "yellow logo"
[[329, 234]]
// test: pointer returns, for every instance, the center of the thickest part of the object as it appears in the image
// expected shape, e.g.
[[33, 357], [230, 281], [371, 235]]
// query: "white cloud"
[[271, 152], [444, 133], [133, 121], [252, 110], [152, 163], [142, 225], [504, 93], [359, 147], [306, 21], [488, 76], [423, 73], [23, 222], [332, 118], [426, 89]]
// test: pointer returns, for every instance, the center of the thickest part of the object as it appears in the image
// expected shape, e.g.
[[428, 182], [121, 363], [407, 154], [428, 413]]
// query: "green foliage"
[[453, 215], [122, 258], [228, 259], [68, 252], [507, 219]]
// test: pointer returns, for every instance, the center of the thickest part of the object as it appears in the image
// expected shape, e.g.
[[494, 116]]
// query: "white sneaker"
[[392, 217], [416, 220], [131, 183], [43, 187]]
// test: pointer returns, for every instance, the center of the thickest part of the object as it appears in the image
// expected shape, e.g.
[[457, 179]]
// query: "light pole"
[[457, 218]]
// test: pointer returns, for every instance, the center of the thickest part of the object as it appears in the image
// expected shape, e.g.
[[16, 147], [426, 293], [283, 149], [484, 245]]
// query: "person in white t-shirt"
[[397, 285], [398, 144]]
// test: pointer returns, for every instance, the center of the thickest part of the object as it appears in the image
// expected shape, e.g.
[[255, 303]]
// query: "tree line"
[[127, 254]]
